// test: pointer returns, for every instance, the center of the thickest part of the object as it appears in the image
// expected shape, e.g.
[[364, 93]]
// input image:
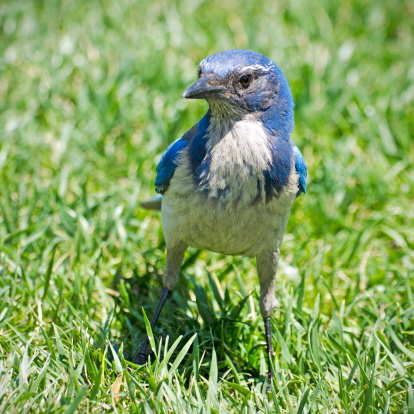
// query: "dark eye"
[[199, 73], [246, 80]]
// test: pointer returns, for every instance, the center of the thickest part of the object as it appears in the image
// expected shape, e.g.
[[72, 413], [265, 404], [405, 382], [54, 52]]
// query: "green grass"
[[90, 97]]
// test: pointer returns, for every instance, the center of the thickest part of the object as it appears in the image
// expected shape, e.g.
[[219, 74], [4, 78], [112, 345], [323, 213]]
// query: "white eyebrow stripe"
[[256, 66]]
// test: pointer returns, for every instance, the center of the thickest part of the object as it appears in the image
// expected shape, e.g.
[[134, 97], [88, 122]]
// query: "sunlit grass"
[[90, 97]]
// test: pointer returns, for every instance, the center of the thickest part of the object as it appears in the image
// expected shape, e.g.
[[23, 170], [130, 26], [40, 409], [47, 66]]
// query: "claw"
[[141, 358]]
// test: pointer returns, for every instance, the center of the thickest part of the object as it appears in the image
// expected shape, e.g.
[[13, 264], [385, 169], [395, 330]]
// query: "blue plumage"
[[278, 119], [301, 169], [239, 58], [199, 159], [277, 176], [167, 165]]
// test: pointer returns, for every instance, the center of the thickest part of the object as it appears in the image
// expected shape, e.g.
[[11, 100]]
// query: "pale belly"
[[208, 225]]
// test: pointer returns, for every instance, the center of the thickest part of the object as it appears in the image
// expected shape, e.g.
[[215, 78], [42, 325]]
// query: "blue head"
[[247, 82]]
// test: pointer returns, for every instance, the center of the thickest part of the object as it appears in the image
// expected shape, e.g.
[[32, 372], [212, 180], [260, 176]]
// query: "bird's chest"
[[232, 170]]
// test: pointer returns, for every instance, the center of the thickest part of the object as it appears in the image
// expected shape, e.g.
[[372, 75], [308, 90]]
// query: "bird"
[[228, 184]]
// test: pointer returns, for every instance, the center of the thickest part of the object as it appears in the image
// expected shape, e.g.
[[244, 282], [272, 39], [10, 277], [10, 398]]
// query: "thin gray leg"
[[266, 269], [141, 357], [268, 329], [171, 272]]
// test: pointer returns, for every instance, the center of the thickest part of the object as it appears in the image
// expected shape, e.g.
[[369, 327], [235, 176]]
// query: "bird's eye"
[[199, 73], [246, 80]]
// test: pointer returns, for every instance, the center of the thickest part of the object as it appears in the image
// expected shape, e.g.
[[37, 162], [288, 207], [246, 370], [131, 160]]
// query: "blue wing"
[[301, 169], [167, 165]]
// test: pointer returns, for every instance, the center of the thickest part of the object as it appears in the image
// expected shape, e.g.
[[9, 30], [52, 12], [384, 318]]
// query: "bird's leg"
[[268, 329], [171, 273], [141, 357], [266, 270]]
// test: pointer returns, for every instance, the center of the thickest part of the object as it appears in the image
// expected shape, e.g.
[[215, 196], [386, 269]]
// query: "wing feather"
[[167, 165], [301, 169]]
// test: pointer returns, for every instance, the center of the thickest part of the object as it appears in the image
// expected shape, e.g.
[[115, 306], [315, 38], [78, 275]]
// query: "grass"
[[90, 97]]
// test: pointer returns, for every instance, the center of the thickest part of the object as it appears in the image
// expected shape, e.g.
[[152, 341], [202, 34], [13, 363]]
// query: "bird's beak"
[[203, 90]]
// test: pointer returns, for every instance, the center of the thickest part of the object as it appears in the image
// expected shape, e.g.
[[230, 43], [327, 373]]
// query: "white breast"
[[239, 155]]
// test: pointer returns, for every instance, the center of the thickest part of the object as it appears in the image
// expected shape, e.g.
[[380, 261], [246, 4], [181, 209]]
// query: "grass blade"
[[182, 354]]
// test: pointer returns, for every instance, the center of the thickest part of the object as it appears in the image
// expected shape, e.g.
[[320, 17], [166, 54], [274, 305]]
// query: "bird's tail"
[[153, 203]]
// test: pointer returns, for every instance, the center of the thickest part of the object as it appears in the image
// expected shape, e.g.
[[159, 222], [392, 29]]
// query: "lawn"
[[90, 97]]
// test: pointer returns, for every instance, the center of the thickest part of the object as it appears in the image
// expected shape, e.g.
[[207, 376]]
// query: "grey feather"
[[153, 203]]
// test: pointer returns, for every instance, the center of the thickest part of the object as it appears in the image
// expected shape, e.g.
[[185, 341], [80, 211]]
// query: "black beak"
[[202, 90]]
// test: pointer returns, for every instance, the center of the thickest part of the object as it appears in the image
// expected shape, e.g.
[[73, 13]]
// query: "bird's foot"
[[141, 357]]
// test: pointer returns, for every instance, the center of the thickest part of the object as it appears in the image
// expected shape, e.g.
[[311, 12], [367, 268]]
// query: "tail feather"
[[153, 203]]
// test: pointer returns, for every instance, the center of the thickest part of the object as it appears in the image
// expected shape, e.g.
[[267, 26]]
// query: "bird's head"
[[243, 81]]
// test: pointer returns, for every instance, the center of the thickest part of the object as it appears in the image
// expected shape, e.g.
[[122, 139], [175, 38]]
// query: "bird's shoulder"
[[168, 162]]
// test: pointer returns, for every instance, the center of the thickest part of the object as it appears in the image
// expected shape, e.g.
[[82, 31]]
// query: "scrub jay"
[[227, 185]]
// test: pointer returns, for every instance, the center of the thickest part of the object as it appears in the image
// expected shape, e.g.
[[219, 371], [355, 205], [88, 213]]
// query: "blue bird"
[[227, 185]]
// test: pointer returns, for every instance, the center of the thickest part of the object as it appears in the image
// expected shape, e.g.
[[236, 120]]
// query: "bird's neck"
[[225, 120], [278, 118], [223, 111]]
